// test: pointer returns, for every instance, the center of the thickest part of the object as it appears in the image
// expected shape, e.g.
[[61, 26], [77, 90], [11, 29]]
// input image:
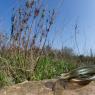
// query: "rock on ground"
[[48, 87]]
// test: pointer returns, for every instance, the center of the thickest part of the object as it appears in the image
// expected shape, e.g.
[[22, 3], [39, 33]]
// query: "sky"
[[69, 12]]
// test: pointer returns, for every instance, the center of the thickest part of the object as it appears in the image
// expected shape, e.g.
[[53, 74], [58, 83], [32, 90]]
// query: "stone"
[[48, 87]]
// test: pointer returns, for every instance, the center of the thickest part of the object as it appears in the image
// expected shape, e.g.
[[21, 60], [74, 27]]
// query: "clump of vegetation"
[[48, 68]]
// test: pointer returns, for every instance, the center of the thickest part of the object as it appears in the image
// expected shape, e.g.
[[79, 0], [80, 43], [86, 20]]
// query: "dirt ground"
[[40, 88]]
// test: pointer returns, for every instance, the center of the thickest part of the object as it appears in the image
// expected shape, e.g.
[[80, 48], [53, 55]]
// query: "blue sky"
[[68, 13]]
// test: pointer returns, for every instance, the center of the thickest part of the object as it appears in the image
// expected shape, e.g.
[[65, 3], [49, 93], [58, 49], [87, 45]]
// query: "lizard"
[[81, 75]]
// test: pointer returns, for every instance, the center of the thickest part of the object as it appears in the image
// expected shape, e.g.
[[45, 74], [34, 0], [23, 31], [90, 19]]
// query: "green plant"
[[4, 79], [47, 68]]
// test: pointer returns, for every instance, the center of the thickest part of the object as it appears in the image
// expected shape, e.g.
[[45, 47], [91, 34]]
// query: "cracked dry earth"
[[46, 88]]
